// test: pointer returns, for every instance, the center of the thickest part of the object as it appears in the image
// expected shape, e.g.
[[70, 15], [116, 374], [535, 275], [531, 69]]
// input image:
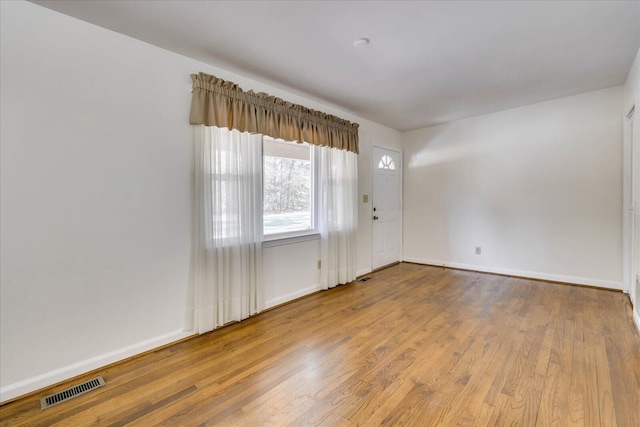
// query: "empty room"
[[319, 213]]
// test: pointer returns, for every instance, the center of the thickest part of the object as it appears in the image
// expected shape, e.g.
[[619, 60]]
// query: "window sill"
[[280, 241]]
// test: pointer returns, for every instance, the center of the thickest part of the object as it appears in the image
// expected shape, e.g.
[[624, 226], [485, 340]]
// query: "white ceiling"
[[428, 62]]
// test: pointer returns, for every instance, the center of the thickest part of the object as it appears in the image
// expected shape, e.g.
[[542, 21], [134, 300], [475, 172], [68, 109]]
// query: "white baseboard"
[[363, 272], [291, 296], [636, 319], [48, 378], [530, 274]]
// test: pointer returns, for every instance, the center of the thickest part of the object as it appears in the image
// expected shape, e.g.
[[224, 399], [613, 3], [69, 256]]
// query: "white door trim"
[[631, 167]]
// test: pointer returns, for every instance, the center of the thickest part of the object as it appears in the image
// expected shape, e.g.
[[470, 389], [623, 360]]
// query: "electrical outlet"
[[365, 198], [319, 264], [478, 250]]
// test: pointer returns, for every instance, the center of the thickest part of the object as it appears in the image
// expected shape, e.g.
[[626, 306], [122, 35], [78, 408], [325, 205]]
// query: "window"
[[386, 162], [288, 188], [232, 194]]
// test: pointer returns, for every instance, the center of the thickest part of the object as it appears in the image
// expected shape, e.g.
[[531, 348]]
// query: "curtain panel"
[[338, 219], [226, 256], [220, 103]]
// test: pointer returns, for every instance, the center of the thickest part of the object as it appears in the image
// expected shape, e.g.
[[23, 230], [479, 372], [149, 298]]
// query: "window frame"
[[312, 233]]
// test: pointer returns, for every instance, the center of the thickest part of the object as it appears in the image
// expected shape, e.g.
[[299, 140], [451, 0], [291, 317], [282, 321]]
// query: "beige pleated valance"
[[216, 102]]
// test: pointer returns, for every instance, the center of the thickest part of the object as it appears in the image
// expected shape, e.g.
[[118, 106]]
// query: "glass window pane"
[[287, 187]]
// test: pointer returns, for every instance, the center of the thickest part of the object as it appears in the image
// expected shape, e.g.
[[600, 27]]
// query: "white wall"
[[537, 187], [631, 99], [291, 271], [95, 197], [632, 85]]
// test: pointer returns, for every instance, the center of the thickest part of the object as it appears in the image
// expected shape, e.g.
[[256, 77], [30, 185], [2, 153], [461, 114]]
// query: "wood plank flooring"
[[416, 346]]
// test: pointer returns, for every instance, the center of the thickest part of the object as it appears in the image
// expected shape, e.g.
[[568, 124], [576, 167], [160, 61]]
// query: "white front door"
[[386, 206]]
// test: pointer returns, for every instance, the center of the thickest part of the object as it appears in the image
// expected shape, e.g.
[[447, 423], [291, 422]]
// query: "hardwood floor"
[[416, 345]]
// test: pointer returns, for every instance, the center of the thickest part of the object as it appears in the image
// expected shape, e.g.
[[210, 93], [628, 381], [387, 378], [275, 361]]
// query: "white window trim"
[[280, 241]]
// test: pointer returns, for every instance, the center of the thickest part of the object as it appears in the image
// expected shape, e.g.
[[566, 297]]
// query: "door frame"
[[374, 166], [631, 197]]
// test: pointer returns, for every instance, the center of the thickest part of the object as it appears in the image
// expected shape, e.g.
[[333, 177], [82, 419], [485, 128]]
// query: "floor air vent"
[[364, 279], [54, 399]]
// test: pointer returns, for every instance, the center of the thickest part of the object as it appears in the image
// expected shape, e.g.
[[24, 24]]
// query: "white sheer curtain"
[[226, 263], [338, 215]]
